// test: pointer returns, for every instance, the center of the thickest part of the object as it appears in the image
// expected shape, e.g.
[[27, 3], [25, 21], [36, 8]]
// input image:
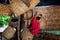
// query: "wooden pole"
[[18, 28]]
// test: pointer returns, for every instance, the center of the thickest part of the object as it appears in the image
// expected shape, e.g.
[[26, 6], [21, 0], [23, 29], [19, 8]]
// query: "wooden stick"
[[18, 28]]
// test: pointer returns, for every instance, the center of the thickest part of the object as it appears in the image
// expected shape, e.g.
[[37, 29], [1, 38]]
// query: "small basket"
[[5, 10], [28, 15], [9, 32], [18, 7], [26, 35]]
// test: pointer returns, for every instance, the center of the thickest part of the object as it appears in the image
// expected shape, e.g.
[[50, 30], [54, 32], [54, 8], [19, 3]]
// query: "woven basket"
[[9, 32], [19, 6], [28, 15], [26, 35], [4, 10], [31, 3]]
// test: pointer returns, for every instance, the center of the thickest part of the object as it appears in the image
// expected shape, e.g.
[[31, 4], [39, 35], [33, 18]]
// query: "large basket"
[[19, 6], [5, 10], [26, 35], [9, 32], [31, 3]]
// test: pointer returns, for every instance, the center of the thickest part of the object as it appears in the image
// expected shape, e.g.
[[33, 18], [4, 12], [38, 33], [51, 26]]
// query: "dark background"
[[49, 2], [42, 3]]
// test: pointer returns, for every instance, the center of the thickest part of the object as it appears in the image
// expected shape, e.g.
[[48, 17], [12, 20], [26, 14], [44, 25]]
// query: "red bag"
[[35, 26]]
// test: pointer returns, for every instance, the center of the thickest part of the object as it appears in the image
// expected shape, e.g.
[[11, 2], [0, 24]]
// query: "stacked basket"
[[16, 7]]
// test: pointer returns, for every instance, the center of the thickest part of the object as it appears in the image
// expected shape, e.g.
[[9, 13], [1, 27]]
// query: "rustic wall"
[[51, 15]]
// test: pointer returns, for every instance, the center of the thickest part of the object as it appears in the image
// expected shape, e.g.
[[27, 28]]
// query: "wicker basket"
[[33, 3], [19, 6], [4, 10], [9, 32], [28, 15], [26, 35]]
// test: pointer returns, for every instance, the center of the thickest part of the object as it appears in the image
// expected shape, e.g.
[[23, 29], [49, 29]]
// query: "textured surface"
[[4, 10], [51, 15]]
